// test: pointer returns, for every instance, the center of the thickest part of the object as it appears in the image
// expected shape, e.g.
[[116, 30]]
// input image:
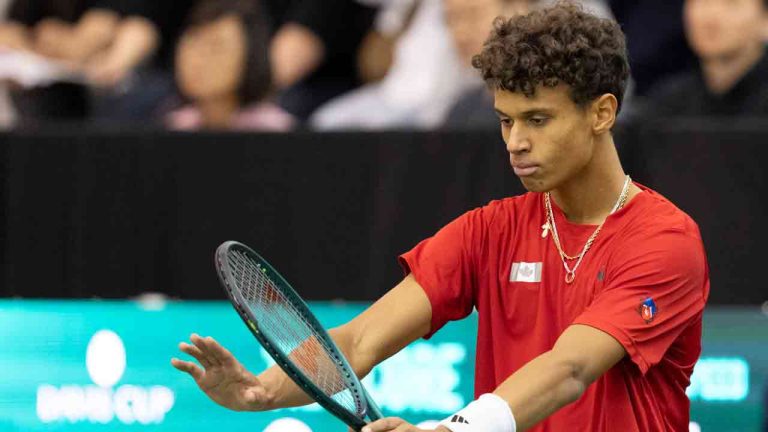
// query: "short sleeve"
[[446, 267], [655, 288]]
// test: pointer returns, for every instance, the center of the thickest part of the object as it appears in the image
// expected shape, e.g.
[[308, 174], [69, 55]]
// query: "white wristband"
[[489, 413]]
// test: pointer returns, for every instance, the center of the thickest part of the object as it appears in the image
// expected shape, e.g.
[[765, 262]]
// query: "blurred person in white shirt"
[[424, 81]]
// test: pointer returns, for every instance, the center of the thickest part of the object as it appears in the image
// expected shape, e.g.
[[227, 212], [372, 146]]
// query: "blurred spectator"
[[314, 48], [425, 80], [655, 40], [469, 22], [728, 36], [58, 101], [112, 42], [135, 98], [222, 68]]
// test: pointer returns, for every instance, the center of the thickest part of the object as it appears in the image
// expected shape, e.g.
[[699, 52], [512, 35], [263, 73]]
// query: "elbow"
[[572, 390], [574, 384]]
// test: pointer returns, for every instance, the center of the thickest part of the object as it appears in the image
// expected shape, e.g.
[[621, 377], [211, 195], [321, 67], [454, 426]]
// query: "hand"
[[395, 424], [52, 38], [104, 71], [223, 378], [14, 36]]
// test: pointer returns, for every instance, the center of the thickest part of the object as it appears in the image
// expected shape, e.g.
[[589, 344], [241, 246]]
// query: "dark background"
[[117, 213]]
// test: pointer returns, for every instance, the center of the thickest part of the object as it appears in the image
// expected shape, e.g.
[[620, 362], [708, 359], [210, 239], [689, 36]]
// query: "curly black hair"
[[562, 43]]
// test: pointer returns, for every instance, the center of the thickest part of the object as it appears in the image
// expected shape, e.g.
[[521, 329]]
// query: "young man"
[[589, 289]]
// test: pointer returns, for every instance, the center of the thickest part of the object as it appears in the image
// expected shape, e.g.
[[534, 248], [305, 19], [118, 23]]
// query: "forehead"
[[226, 24], [549, 98]]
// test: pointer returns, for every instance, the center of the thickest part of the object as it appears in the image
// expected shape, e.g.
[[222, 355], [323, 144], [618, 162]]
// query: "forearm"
[[94, 32], [284, 393], [397, 319], [76, 43], [135, 41], [540, 388]]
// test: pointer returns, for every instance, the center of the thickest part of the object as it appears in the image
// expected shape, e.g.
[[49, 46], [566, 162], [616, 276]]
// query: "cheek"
[[230, 68], [211, 75], [570, 150]]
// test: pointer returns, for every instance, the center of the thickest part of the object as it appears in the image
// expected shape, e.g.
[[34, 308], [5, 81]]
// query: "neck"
[[589, 197], [722, 73], [217, 113]]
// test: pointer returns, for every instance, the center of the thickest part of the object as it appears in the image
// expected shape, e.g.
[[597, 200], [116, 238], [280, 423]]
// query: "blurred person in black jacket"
[[729, 37], [314, 49], [655, 40]]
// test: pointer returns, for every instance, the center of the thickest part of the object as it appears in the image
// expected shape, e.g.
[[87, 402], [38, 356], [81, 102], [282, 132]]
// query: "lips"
[[524, 169]]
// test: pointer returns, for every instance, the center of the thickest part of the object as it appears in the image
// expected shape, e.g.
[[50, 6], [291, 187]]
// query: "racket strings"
[[291, 331]]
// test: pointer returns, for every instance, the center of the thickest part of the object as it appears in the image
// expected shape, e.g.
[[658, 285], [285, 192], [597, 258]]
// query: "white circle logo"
[[105, 358], [287, 425]]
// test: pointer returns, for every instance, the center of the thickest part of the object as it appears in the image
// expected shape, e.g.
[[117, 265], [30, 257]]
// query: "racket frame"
[[223, 270]]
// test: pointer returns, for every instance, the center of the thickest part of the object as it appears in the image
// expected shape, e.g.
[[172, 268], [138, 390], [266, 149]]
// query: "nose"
[[517, 141]]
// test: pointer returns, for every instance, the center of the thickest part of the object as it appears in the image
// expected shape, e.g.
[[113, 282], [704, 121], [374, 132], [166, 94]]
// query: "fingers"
[[220, 354], [196, 353], [188, 367], [207, 352], [204, 345]]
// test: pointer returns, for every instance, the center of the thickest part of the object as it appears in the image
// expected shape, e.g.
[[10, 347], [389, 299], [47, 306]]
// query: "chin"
[[534, 185]]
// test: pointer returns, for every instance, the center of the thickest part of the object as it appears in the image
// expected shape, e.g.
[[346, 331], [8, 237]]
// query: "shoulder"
[[674, 95], [264, 117], [658, 215], [495, 217], [677, 84], [185, 118], [510, 208], [662, 240]]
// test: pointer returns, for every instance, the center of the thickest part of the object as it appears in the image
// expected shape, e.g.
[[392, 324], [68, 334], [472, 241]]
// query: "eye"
[[538, 121], [506, 122]]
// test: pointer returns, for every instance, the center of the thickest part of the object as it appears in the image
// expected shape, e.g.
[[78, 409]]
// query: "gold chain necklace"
[[570, 273]]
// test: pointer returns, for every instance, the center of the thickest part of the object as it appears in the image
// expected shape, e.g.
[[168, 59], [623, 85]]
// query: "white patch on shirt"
[[525, 272]]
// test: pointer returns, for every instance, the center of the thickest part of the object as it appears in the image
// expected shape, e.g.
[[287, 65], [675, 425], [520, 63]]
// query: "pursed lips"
[[523, 169]]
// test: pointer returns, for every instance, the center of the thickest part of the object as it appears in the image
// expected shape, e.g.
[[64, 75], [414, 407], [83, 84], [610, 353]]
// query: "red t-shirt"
[[644, 282]]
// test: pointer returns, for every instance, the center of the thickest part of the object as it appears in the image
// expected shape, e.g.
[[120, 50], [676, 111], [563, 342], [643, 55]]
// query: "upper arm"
[[652, 295], [394, 321], [588, 351]]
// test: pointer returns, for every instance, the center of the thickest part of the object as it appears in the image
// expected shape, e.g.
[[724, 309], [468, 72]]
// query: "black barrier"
[[117, 214]]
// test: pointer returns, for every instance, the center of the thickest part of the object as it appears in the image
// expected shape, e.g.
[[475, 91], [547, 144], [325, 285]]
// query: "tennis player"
[[589, 288]]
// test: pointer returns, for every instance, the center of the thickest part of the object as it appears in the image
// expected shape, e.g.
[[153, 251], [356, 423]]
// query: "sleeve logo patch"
[[648, 310]]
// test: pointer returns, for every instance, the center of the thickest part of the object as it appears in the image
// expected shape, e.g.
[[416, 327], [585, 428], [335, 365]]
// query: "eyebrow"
[[526, 113]]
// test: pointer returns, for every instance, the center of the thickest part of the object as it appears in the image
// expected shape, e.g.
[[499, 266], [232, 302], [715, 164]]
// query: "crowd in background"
[[279, 65]]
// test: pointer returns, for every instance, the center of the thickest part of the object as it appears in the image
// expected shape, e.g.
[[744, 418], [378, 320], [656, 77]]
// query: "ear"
[[604, 113]]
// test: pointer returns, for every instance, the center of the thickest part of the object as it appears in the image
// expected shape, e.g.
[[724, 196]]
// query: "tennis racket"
[[290, 333]]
